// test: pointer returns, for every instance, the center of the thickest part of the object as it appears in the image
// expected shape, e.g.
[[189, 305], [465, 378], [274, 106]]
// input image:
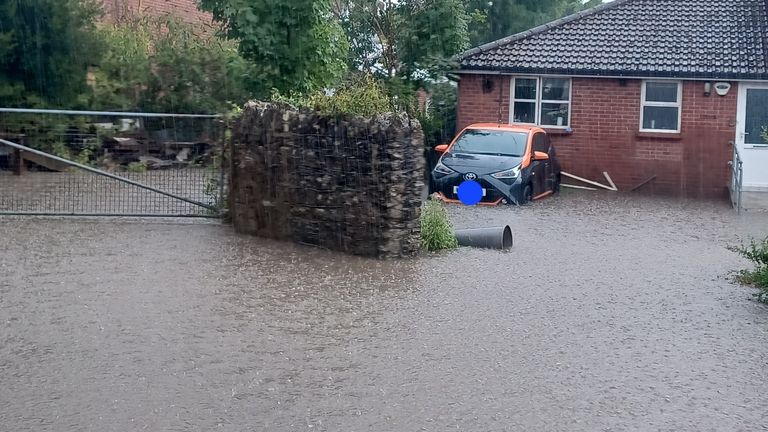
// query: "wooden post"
[[18, 162]]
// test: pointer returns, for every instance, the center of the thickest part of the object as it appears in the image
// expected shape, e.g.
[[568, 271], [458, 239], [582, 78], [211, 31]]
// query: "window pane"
[[525, 112], [555, 89], [661, 92], [525, 88], [757, 116], [553, 114], [660, 118]]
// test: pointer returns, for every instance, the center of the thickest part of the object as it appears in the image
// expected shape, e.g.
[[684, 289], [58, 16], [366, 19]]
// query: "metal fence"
[[117, 164], [737, 179]]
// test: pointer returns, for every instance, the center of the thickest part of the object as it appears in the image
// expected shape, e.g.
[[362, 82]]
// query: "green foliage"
[[136, 167], [492, 20], [357, 96], [439, 119], [764, 134], [46, 47], [362, 96], [412, 39], [295, 46], [436, 228], [757, 252], [164, 65]]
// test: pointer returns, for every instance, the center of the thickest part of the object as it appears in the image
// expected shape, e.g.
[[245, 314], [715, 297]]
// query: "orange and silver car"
[[514, 164]]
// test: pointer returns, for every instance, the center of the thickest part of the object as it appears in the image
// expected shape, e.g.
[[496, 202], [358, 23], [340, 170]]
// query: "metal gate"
[[737, 179], [89, 163]]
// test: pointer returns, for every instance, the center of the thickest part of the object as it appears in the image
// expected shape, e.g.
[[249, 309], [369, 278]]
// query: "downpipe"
[[487, 238]]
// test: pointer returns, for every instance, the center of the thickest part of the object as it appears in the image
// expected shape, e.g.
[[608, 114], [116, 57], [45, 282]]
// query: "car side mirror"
[[540, 156], [442, 148]]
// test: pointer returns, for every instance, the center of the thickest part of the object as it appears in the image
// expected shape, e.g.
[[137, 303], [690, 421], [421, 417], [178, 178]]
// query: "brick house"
[[115, 10], [655, 92]]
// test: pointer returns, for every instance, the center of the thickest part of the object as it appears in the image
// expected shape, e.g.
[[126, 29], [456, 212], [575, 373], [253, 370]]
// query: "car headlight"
[[508, 174], [442, 169]]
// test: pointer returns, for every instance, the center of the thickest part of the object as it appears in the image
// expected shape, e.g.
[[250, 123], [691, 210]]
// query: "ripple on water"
[[612, 312]]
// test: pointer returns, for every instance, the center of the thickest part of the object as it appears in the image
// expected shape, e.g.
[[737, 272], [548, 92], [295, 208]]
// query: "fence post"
[[18, 162]]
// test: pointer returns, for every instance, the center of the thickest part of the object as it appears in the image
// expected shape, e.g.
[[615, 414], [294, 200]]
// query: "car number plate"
[[456, 190]]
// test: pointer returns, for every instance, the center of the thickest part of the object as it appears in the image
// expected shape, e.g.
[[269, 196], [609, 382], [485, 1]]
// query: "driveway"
[[611, 313]]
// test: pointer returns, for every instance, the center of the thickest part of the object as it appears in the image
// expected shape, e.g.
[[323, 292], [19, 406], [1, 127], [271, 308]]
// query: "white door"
[[752, 119]]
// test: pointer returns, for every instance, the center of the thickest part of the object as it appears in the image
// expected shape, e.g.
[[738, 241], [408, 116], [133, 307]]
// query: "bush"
[[436, 228], [165, 65], [757, 252], [360, 95]]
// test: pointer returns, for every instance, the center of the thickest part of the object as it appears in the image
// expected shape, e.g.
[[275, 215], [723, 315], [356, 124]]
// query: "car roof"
[[505, 127]]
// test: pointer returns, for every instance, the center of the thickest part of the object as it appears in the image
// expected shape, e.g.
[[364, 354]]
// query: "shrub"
[[757, 252], [137, 167], [436, 228], [358, 96], [165, 65]]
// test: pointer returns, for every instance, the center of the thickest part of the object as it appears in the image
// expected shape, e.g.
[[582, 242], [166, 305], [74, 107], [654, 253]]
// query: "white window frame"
[[539, 101], [678, 104]]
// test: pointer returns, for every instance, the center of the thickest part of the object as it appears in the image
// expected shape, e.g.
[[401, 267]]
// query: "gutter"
[[609, 75]]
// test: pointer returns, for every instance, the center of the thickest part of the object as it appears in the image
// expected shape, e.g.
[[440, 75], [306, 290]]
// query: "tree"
[[295, 45], [501, 18], [46, 47], [409, 39], [165, 65]]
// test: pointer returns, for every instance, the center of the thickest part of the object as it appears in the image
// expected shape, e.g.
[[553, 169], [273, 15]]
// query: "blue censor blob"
[[470, 192]]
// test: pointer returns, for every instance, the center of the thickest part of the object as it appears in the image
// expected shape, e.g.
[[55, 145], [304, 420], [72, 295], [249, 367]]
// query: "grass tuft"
[[757, 252], [436, 228]]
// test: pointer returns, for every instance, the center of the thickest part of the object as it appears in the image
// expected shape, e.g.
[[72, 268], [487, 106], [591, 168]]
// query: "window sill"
[[557, 131], [675, 136]]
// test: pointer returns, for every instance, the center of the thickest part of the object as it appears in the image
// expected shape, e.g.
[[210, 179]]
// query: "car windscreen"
[[491, 142]]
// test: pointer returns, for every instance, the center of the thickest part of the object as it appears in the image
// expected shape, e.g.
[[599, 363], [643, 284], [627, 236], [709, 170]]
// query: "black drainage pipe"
[[489, 238]]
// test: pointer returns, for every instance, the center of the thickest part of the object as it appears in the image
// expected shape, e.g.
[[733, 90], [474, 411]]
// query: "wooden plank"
[[45, 162], [590, 182], [610, 181], [644, 182], [576, 187]]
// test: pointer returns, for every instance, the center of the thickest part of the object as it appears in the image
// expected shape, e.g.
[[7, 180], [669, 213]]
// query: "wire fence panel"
[[105, 164]]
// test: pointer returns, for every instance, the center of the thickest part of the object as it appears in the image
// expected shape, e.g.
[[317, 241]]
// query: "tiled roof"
[[720, 39]]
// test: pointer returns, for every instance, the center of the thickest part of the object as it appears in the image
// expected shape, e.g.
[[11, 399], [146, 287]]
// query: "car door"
[[539, 168]]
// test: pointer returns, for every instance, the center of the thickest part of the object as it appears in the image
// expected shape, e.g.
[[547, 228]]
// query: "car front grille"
[[491, 194]]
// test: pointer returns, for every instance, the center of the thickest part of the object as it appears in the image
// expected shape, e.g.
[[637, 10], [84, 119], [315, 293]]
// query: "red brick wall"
[[606, 137], [184, 9]]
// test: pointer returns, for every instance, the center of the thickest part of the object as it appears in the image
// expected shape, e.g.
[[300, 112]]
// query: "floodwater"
[[612, 313]]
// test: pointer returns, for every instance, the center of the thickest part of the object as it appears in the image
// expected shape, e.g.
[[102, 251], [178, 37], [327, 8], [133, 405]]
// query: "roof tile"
[[676, 38]]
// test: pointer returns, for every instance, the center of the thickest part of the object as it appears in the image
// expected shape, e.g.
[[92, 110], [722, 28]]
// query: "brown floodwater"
[[611, 313]]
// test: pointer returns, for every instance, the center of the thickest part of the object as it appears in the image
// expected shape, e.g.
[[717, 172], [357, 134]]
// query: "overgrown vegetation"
[[46, 47], [436, 228], [165, 65], [360, 95], [757, 252], [358, 57]]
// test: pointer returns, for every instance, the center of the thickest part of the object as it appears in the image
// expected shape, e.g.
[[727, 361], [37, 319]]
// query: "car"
[[514, 164]]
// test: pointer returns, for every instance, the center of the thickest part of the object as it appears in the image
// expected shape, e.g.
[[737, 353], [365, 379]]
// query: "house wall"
[[606, 121], [185, 9]]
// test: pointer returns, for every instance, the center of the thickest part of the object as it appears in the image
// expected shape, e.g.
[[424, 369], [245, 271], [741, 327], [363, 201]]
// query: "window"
[[660, 106], [540, 143], [541, 101]]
